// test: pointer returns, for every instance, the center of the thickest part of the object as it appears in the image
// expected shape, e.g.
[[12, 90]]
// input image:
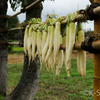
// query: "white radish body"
[[44, 38], [71, 44], [39, 42], [50, 43], [64, 42], [46, 46], [52, 60], [59, 62], [81, 56], [34, 43], [66, 54], [30, 45], [56, 40], [59, 59], [25, 41]]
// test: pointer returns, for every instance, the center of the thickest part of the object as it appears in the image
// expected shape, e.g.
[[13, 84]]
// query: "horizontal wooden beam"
[[77, 46], [18, 28], [9, 43]]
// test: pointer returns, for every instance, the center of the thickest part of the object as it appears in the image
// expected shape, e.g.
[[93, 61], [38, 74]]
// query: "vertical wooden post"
[[96, 78]]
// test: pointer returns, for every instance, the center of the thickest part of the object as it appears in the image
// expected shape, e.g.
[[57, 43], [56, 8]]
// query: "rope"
[[87, 44], [90, 12]]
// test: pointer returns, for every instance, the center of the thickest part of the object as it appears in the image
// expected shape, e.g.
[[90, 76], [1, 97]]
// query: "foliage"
[[15, 49], [57, 88], [10, 47], [12, 23], [16, 3]]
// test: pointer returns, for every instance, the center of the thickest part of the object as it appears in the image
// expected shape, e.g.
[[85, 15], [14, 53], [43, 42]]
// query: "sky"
[[59, 7]]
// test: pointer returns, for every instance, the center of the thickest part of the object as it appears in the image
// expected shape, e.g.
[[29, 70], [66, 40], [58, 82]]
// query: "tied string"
[[87, 44], [90, 13]]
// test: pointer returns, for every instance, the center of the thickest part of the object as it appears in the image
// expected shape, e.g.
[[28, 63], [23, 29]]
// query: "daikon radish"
[[71, 44], [52, 60], [64, 42], [34, 43], [30, 45], [46, 46], [81, 55], [26, 40], [59, 59], [66, 54], [78, 58], [44, 38], [39, 42], [48, 64], [50, 43], [56, 39]]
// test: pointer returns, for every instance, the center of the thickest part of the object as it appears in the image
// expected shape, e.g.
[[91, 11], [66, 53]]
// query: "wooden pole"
[[18, 28], [96, 76]]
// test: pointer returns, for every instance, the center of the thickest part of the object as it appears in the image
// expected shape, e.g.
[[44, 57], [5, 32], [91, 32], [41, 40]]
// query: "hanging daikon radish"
[[30, 44], [81, 54], [39, 42], [52, 60], [34, 43], [71, 44], [79, 67], [56, 39], [45, 49], [26, 39], [59, 59], [71, 41], [47, 65], [64, 42], [51, 43], [44, 38], [66, 54]]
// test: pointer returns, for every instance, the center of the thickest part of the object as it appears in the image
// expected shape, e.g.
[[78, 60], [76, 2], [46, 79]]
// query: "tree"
[[27, 86], [3, 47]]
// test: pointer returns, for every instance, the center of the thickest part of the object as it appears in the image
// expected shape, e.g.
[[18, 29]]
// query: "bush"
[[10, 47]]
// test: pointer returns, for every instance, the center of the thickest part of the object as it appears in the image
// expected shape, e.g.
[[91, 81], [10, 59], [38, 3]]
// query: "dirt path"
[[20, 57], [15, 58]]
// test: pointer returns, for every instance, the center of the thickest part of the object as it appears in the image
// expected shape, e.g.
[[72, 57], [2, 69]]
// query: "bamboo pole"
[[77, 46], [96, 76], [26, 8], [9, 43]]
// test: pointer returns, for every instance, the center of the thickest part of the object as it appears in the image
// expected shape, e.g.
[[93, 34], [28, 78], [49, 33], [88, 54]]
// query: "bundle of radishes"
[[48, 36]]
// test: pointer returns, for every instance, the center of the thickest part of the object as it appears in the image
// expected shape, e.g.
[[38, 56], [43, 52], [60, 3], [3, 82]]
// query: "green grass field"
[[57, 88], [15, 49]]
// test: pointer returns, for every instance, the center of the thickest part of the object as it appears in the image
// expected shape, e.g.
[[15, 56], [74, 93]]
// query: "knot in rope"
[[90, 13], [87, 44]]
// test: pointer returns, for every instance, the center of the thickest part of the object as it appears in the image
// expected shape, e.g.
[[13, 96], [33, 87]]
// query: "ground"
[[15, 58], [19, 58]]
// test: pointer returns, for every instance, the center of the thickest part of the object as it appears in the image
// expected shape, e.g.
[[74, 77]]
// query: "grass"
[[16, 50], [57, 88]]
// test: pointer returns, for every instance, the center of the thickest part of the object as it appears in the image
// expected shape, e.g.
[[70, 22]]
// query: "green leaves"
[[16, 3]]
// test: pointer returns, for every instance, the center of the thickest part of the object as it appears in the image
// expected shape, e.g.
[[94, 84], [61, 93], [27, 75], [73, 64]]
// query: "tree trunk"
[[27, 86], [3, 48]]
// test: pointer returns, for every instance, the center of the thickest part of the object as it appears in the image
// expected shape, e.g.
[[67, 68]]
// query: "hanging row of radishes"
[[47, 38]]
